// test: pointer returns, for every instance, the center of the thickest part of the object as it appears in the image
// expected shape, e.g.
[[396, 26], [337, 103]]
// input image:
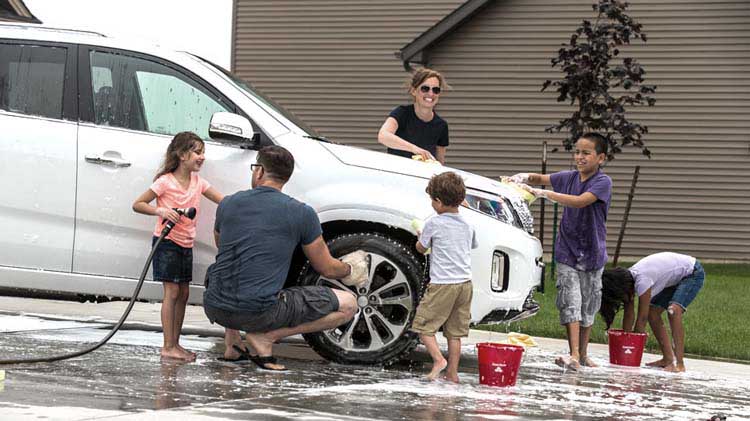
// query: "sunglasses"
[[254, 166], [435, 89]]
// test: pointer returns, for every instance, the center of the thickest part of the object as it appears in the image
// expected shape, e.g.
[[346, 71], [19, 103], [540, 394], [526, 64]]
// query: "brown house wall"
[[332, 64]]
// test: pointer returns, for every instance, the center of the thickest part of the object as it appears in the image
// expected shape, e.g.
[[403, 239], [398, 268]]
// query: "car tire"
[[379, 332]]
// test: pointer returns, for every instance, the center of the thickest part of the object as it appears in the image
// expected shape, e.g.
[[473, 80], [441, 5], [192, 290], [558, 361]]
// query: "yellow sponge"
[[515, 338], [525, 195], [428, 161], [418, 226]]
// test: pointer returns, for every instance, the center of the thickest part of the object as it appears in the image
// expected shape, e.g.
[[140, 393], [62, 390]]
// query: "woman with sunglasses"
[[417, 129]]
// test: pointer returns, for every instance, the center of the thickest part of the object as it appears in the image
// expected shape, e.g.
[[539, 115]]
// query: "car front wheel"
[[379, 332]]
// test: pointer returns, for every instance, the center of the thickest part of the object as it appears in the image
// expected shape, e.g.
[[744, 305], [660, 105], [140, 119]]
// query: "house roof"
[[416, 51], [15, 10]]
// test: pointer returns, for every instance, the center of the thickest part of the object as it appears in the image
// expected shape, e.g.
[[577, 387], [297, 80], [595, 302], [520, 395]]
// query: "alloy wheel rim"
[[385, 307]]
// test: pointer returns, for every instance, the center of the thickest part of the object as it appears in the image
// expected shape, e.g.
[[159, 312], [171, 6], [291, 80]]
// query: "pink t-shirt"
[[170, 194]]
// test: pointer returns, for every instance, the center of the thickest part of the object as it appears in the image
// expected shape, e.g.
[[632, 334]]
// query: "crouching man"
[[662, 281], [257, 231]]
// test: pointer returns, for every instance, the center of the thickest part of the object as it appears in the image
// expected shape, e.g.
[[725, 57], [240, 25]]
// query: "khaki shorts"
[[446, 305]]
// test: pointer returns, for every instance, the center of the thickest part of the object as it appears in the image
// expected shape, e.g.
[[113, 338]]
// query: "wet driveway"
[[126, 380]]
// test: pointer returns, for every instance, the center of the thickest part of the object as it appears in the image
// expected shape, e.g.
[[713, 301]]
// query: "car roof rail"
[[51, 29]]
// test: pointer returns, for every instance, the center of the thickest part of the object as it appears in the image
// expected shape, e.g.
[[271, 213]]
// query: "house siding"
[[332, 64]]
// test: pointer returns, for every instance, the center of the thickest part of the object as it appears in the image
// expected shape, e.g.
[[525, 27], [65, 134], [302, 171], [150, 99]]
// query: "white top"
[[661, 270], [451, 239]]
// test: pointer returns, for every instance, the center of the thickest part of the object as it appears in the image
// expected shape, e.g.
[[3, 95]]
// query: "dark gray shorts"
[[295, 306]]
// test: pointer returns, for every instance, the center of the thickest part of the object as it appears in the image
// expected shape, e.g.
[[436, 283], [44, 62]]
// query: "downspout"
[[407, 61]]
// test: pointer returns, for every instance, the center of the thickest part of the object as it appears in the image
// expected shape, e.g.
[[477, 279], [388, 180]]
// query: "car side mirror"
[[234, 128]]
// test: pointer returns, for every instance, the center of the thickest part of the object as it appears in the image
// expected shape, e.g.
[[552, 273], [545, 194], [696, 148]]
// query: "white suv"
[[85, 121]]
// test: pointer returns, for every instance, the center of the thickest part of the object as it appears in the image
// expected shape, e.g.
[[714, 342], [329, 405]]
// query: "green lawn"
[[716, 323]]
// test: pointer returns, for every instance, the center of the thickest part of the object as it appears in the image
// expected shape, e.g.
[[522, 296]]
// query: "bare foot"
[[451, 377], [567, 362], [437, 367], [174, 354], [235, 351], [660, 363], [231, 354], [187, 355], [262, 344], [675, 368], [586, 361], [185, 351]]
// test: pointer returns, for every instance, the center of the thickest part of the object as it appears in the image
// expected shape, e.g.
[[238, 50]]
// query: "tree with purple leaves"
[[599, 82]]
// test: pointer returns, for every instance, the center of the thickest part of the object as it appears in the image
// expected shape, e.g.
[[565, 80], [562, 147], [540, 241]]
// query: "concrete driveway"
[[126, 379]]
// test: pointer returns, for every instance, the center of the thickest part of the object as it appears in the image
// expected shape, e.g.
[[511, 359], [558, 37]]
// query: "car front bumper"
[[530, 308]]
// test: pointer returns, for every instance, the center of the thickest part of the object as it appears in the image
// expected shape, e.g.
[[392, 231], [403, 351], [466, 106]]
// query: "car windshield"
[[255, 93]]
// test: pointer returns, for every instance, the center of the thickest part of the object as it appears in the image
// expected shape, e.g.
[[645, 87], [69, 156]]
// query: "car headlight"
[[492, 205]]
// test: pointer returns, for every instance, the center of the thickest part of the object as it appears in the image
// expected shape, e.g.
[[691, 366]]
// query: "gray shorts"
[[579, 294], [295, 306]]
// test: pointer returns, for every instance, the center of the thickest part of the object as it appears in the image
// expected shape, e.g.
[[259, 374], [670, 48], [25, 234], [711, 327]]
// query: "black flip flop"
[[258, 360], [240, 359], [244, 356], [262, 361], [244, 352]]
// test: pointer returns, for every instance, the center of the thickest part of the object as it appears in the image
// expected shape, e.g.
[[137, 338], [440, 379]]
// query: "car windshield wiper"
[[319, 138]]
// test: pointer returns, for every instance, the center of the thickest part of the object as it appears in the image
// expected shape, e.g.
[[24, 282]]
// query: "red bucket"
[[499, 363], [626, 348]]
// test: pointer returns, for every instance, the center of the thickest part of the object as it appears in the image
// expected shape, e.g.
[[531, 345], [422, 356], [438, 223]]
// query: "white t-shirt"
[[661, 270], [451, 239]]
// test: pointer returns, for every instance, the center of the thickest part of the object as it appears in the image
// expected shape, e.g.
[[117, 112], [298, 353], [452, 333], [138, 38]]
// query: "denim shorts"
[[294, 306], [683, 293], [172, 263], [579, 294]]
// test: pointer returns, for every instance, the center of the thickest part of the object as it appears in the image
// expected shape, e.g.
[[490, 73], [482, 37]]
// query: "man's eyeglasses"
[[254, 166], [435, 89]]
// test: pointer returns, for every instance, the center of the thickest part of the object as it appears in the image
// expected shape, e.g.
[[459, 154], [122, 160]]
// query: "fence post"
[[554, 237], [627, 213], [541, 209]]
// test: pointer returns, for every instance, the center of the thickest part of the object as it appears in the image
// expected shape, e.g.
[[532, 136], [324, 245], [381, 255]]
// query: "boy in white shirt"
[[662, 281], [447, 301]]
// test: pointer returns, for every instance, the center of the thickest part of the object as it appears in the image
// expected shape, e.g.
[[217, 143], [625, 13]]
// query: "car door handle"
[[117, 163]]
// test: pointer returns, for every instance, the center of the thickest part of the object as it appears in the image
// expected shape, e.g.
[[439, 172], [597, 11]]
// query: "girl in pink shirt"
[[176, 185]]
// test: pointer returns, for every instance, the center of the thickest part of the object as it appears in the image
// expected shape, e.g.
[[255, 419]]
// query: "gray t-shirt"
[[259, 230], [451, 239], [661, 270]]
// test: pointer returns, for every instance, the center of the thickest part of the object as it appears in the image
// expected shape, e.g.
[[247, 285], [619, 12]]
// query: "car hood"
[[384, 162]]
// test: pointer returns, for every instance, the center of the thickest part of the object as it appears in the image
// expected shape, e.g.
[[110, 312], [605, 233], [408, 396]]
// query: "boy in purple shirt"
[[580, 250], [662, 281]]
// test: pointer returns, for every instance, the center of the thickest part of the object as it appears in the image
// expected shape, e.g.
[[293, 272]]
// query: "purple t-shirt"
[[581, 243]]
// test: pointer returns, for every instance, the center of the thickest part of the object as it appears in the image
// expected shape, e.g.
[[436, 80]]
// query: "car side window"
[[32, 79], [140, 94]]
